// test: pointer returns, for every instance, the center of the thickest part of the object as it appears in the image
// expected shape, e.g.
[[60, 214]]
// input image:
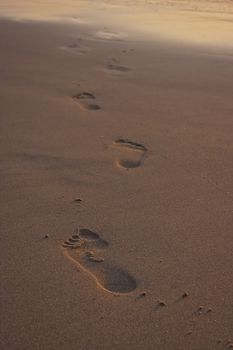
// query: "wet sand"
[[116, 190]]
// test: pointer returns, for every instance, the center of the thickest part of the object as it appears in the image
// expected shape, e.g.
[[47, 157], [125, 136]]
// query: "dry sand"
[[116, 189]]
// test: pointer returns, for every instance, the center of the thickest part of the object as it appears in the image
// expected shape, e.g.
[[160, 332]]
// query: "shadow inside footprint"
[[85, 248], [117, 68], [85, 101], [131, 154], [75, 48], [88, 234], [117, 280]]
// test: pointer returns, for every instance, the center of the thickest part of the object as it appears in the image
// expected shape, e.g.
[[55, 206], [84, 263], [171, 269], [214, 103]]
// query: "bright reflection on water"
[[206, 21]]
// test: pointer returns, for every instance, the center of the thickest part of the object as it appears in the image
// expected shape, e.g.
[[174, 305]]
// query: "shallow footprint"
[[109, 35], [118, 68], [76, 48], [131, 154], [86, 101], [83, 248]]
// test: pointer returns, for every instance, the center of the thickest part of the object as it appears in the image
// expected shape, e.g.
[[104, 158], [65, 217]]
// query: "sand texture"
[[116, 185]]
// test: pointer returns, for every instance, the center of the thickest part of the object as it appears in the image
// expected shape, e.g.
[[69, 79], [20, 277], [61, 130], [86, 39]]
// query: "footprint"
[[118, 68], [84, 248], [76, 48], [109, 35], [130, 154], [86, 101]]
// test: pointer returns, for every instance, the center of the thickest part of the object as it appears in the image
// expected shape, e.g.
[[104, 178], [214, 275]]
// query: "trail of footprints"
[[129, 154], [87, 100], [86, 249]]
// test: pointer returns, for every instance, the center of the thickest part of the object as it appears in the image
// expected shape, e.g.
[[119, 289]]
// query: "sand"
[[116, 189]]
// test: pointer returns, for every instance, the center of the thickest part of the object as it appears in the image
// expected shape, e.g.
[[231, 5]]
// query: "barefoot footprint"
[[130, 154], [116, 69], [86, 101], [109, 35], [84, 248], [75, 48]]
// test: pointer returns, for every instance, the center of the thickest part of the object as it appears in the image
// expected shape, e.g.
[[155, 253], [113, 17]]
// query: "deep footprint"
[[131, 154], [85, 249], [86, 101]]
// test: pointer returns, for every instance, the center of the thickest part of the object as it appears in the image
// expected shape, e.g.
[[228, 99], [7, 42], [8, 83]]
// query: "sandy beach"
[[116, 158]]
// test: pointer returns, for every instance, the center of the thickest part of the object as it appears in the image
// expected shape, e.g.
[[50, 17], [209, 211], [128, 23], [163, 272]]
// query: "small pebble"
[[199, 310], [46, 236], [185, 295], [78, 200], [143, 294], [162, 303]]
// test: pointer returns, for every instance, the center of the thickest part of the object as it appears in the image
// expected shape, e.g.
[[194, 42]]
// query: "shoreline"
[[205, 23]]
